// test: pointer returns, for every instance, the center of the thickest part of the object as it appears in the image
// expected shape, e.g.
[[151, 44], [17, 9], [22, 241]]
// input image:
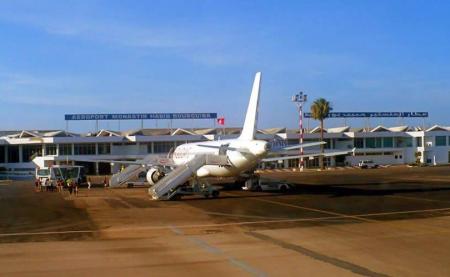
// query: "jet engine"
[[154, 175]]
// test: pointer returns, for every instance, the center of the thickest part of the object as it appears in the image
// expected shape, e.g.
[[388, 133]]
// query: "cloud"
[[55, 91], [205, 44], [127, 35]]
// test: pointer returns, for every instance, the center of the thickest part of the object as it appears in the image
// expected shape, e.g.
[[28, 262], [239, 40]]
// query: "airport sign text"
[[140, 116]]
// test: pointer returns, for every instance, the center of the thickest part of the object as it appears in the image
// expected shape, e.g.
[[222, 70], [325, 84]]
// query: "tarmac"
[[380, 222]]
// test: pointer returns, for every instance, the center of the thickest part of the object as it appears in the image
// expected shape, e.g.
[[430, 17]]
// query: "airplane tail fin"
[[251, 119]]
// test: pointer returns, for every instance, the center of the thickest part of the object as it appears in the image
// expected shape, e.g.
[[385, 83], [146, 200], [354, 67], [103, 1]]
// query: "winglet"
[[251, 119]]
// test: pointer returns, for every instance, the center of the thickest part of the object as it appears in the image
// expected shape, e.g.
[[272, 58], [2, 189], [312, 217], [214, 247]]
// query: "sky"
[[59, 57]]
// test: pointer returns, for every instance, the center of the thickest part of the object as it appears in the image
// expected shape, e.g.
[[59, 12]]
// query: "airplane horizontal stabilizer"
[[226, 147]]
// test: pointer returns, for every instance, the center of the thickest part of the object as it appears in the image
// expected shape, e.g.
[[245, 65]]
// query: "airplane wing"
[[154, 161], [327, 154], [245, 150], [298, 146]]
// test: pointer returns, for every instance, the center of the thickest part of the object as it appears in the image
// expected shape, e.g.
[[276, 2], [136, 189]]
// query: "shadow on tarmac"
[[343, 190]]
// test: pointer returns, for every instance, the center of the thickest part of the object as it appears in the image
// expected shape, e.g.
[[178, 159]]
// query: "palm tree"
[[319, 111]]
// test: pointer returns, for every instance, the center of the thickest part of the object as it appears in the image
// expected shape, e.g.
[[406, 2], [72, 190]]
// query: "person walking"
[[51, 185], [69, 186], [75, 186], [37, 184], [89, 182], [47, 184], [105, 182]]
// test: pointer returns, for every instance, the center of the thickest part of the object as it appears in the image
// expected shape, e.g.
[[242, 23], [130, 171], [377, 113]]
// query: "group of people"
[[72, 185], [58, 185]]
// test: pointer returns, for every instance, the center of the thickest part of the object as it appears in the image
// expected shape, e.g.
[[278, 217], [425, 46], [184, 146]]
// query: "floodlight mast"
[[299, 99]]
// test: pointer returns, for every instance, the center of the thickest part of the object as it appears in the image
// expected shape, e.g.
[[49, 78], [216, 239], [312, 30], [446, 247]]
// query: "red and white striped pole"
[[299, 99], [302, 165]]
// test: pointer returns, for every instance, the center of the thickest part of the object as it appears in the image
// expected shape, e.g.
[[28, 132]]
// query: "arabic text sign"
[[371, 114]]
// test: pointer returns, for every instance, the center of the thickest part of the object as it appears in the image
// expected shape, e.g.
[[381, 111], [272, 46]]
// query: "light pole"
[[299, 99]]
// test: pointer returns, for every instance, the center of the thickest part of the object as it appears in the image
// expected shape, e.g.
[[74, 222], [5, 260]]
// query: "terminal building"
[[22, 151]]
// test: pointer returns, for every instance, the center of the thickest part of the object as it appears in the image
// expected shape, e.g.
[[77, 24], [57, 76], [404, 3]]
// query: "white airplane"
[[237, 156]]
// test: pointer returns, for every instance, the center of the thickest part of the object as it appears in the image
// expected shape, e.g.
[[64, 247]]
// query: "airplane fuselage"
[[239, 161]]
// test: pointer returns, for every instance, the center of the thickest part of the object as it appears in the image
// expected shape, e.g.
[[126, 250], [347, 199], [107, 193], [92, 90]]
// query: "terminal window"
[[388, 142], [178, 143], [419, 141], [404, 142], [373, 142], [84, 149], [359, 143], [162, 146], [104, 148], [29, 152], [13, 154], [2, 154], [441, 140], [65, 149], [328, 144], [50, 149]]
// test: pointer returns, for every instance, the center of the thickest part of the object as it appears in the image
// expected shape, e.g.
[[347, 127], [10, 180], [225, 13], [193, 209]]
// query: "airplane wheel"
[[215, 194], [283, 189]]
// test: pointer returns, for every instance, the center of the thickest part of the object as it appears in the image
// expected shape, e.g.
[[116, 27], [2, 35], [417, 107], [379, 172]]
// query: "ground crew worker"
[[58, 185], [46, 184], [52, 185], [69, 185], [75, 186], [37, 183]]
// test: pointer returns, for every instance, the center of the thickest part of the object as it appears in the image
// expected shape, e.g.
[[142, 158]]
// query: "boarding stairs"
[[130, 172], [166, 188], [122, 177]]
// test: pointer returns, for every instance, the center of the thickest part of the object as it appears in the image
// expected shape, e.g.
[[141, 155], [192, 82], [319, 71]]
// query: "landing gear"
[[208, 191], [252, 184]]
